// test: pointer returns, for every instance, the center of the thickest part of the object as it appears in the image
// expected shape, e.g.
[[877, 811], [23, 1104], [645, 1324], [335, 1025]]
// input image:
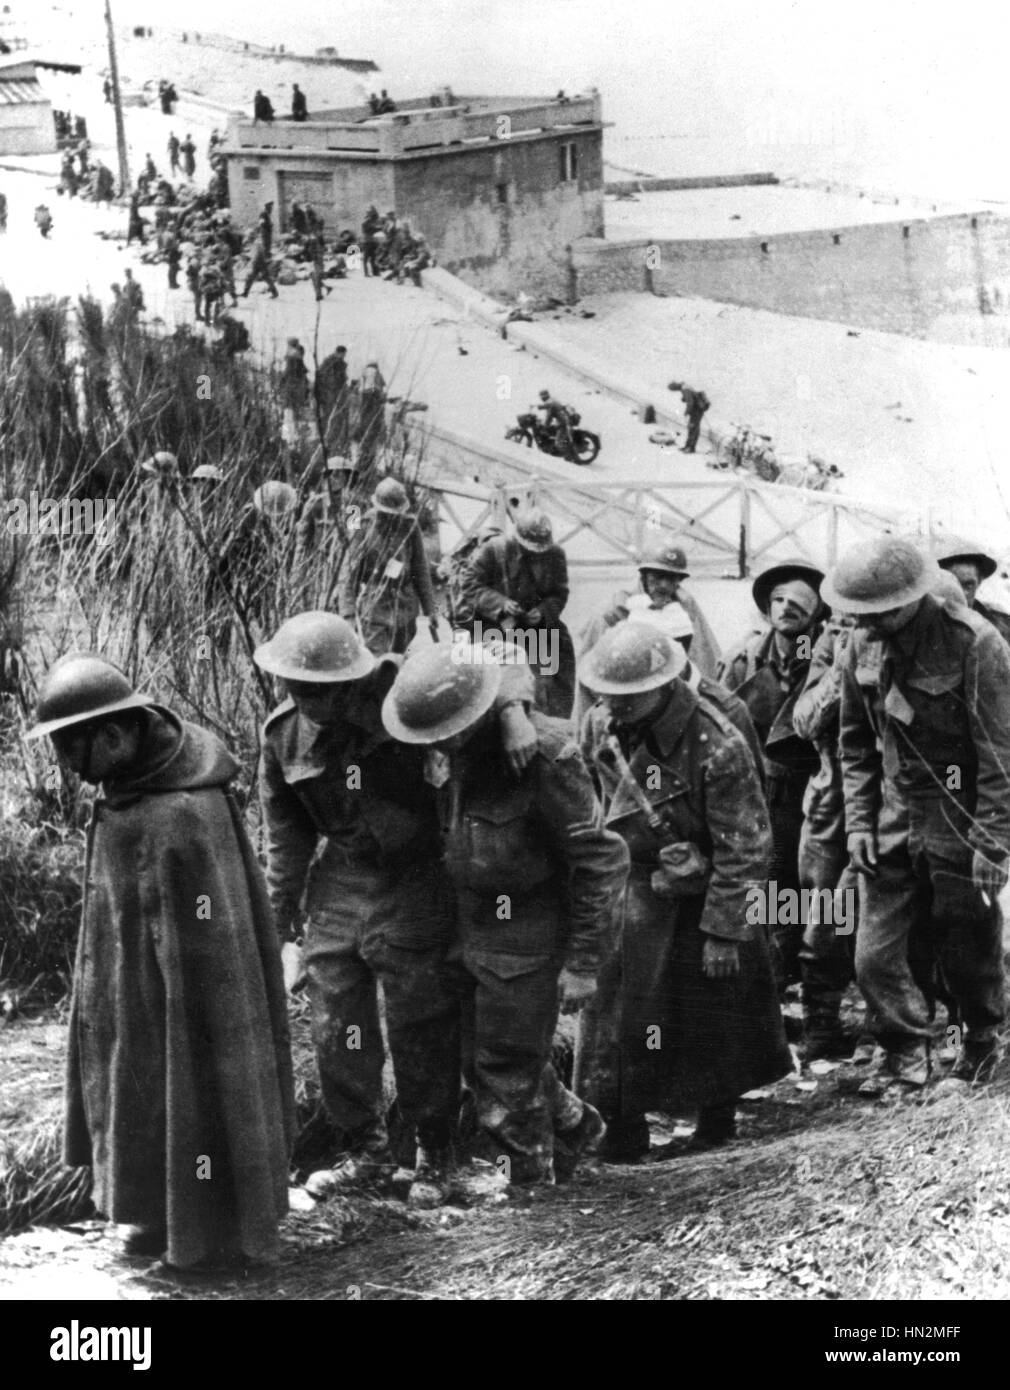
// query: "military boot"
[[823, 1036], [570, 1145], [716, 1126], [976, 1062], [907, 1067], [368, 1162], [434, 1172]]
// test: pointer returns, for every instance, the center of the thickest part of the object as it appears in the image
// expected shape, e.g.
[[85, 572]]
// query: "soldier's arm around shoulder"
[[817, 706], [595, 859], [737, 822], [290, 838], [987, 693]]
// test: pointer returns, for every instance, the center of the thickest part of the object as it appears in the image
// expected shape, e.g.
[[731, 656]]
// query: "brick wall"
[[944, 278]]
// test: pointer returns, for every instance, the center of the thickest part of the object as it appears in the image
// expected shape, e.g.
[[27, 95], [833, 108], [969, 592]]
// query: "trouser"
[[693, 431], [259, 272], [827, 953], [786, 788], [173, 275], [512, 1016], [923, 889], [390, 925]]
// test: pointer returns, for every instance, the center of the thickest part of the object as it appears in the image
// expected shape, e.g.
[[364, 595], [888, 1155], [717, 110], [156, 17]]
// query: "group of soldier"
[[485, 834]]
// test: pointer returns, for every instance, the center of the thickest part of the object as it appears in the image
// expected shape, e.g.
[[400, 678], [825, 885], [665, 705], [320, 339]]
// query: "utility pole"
[[124, 168]]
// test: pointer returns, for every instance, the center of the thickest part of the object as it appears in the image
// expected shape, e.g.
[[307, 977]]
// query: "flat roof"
[[755, 210]]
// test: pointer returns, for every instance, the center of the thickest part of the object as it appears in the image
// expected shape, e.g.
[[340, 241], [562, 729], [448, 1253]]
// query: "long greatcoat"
[[716, 1038], [179, 1089]]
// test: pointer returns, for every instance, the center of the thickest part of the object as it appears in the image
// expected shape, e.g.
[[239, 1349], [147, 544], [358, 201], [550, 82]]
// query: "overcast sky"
[[919, 73]]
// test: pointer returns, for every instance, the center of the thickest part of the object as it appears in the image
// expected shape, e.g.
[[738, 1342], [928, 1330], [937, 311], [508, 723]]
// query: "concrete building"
[[26, 114], [499, 186]]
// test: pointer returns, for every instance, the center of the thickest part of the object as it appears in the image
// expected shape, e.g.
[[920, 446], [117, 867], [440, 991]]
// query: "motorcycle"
[[529, 429]]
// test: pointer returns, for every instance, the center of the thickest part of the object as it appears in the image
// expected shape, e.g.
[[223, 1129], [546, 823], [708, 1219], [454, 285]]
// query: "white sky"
[[920, 76]]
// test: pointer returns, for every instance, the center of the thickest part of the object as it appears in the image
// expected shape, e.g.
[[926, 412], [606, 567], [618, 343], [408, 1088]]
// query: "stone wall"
[[944, 278], [502, 220]]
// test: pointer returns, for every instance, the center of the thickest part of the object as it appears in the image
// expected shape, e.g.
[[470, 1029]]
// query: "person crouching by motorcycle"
[[558, 417], [43, 219], [519, 585]]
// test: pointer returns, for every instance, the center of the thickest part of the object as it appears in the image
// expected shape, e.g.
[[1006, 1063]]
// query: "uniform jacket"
[[999, 619], [932, 698], [695, 768], [367, 581], [540, 840], [349, 783], [769, 688], [502, 569], [717, 1038], [179, 1040]]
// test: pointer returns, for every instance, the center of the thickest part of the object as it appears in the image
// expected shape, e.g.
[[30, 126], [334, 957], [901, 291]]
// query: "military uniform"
[[348, 809], [536, 876], [999, 619], [925, 753], [385, 581], [827, 957], [769, 684], [661, 1034]]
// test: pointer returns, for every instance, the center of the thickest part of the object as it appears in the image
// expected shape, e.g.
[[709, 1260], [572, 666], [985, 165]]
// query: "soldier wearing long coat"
[[686, 1017], [768, 670], [179, 1090]]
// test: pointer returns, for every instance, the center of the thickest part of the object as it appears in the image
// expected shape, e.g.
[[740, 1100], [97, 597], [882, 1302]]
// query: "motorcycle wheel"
[[587, 446]]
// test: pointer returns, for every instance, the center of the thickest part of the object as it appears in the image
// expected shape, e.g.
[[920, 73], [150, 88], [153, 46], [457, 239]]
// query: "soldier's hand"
[[518, 737], [534, 617], [293, 967], [511, 609], [575, 990], [988, 876], [720, 960], [862, 848]]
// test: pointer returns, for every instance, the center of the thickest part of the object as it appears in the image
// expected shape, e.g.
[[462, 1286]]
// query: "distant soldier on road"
[[696, 403]]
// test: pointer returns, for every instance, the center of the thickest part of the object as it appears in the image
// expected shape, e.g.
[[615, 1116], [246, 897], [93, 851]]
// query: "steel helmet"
[[208, 470], [880, 574], [80, 687], [632, 657], [440, 691], [162, 464], [533, 530], [955, 550], [780, 574], [391, 497], [315, 646], [665, 559], [275, 500]]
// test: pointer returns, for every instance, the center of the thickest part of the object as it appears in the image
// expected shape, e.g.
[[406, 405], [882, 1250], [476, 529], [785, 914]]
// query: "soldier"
[[827, 955], [970, 564], [385, 579], [259, 269], [519, 585], [696, 403], [179, 1051], [535, 876], [768, 670], [925, 752], [661, 576], [686, 1014], [338, 793]]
